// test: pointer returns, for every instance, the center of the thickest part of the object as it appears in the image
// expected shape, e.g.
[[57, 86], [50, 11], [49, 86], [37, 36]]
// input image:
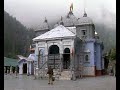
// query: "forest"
[[17, 38]]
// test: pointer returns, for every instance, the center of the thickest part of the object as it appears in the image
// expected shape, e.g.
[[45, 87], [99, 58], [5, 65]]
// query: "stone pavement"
[[24, 82]]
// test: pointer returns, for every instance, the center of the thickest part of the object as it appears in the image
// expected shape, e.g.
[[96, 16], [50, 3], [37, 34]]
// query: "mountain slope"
[[16, 37]]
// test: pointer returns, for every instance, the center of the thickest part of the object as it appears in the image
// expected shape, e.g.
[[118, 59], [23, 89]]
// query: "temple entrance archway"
[[66, 58], [54, 56]]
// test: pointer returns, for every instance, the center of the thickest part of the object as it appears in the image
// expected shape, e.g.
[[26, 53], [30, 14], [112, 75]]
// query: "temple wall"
[[89, 71]]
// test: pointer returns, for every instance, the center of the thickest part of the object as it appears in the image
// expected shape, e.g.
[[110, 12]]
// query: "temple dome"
[[43, 26], [84, 20], [69, 20]]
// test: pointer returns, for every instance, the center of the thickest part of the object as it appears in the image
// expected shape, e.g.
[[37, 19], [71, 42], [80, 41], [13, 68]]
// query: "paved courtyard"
[[24, 82]]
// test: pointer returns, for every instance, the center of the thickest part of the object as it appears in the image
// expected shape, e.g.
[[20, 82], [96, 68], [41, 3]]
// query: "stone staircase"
[[65, 75], [42, 73]]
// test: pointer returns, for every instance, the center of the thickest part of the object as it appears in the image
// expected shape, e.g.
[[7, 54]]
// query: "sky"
[[32, 13]]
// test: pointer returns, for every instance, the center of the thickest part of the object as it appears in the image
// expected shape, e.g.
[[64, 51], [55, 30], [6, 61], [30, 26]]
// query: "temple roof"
[[69, 20], [58, 32], [84, 20], [43, 26]]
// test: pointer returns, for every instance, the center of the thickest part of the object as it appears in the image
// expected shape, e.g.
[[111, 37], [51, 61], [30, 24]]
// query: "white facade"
[[21, 62], [29, 67]]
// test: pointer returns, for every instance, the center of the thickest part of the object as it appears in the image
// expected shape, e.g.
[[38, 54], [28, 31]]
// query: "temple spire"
[[45, 20], [85, 14]]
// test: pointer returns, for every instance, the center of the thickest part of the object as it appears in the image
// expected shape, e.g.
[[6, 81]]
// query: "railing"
[[43, 64], [54, 60], [42, 70], [59, 66], [57, 72]]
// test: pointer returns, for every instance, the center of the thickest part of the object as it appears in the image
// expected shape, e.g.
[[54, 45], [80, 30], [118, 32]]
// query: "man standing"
[[50, 73]]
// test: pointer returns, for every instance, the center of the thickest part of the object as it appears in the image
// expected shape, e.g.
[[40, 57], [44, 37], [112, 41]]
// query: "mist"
[[32, 13]]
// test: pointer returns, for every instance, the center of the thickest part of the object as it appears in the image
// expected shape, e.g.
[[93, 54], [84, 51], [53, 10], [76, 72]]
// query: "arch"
[[66, 50], [53, 56], [66, 58], [53, 49]]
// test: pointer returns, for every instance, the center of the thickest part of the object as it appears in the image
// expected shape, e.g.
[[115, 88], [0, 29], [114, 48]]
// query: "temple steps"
[[65, 75]]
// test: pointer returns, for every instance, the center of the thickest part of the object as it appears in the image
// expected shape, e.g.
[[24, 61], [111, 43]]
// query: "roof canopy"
[[58, 32], [30, 58], [10, 62]]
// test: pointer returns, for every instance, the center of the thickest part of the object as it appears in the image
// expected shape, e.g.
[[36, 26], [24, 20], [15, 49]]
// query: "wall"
[[29, 67], [89, 71], [89, 67], [98, 58], [89, 45], [21, 68], [89, 28]]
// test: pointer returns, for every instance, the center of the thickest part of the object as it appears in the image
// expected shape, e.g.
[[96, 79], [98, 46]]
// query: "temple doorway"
[[66, 58], [54, 57]]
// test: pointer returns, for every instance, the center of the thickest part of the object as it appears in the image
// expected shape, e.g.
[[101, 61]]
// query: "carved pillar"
[[46, 53], [72, 55], [61, 55], [36, 58]]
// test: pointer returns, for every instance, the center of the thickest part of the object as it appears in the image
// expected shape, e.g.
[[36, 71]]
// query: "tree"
[[16, 35], [106, 60], [112, 54]]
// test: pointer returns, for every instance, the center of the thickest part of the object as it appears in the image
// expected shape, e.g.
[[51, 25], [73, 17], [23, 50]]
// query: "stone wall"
[[89, 71]]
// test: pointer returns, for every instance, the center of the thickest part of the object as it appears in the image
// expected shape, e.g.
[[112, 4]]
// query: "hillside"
[[17, 37]]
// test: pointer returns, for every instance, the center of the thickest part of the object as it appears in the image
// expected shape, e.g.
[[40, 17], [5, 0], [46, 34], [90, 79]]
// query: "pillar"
[[61, 55], [46, 53]]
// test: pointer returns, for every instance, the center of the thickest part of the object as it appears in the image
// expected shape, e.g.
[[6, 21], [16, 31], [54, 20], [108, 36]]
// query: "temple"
[[72, 48]]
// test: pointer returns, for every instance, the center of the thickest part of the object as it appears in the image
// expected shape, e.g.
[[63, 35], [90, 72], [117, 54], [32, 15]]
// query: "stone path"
[[24, 82]]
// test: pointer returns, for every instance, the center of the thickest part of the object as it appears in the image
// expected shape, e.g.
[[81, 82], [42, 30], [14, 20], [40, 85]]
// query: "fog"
[[32, 13]]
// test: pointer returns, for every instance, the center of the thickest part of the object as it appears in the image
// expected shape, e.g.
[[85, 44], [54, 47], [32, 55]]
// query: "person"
[[16, 71], [50, 73], [10, 70]]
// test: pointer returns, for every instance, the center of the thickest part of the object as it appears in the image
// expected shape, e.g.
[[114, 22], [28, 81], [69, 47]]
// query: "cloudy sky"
[[31, 13]]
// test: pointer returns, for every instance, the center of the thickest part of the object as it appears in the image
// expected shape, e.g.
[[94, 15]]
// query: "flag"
[[71, 7]]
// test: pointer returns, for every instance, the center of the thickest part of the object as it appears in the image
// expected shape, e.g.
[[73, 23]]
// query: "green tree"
[[112, 54], [16, 35]]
